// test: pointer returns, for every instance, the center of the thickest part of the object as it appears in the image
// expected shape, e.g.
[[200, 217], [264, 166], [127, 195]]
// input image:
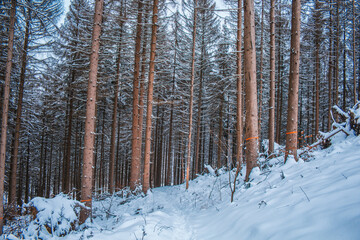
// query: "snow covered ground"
[[317, 199]]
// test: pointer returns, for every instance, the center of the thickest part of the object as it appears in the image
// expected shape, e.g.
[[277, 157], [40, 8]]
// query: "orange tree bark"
[[89, 138], [5, 109], [188, 158], [14, 157], [272, 79], [114, 116], [251, 119], [146, 175], [239, 127], [135, 169], [292, 115]]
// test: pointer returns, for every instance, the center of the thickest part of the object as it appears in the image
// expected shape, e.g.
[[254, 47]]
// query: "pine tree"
[[86, 182]]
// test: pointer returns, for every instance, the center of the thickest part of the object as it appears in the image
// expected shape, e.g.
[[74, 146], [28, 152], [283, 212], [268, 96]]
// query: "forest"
[[101, 97]]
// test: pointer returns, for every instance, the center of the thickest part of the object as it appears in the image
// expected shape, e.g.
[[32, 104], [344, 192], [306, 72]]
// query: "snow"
[[58, 214], [314, 199]]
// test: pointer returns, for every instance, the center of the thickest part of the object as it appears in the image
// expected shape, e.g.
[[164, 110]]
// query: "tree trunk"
[[251, 120], [317, 65], [169, 157], [88, 156], [14, 156], [119, 164], [220, 142], [27, 173], [188, 158], [5, 109], [279, 100], [146, 175], [261, 72], [344, 68], [114, 116], [239, 107], [272, 79], [66, 181], [330, 69], [135, 146], [336, 92], [354, 54], [292, 116]]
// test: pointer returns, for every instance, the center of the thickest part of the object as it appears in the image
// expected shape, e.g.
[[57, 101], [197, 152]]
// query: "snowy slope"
[[317, 199]]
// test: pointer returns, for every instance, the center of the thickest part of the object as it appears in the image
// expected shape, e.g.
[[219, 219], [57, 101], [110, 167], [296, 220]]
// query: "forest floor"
[[316, 199]]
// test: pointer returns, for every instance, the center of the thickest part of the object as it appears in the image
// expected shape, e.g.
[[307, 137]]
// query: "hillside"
[[316, 199]]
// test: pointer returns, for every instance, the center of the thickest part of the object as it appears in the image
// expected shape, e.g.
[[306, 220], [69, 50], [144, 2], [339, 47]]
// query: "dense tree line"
[[141, 94]]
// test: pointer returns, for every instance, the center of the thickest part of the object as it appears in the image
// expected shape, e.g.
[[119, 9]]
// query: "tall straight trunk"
[[272, 79], [198, 122], [210, 160], [89, 138], [201, 74], [354, 53], [182, 156], [336, 91], [261, 71], [279, 100], [102, 159], [5, 109], [66, 180], [292, 116], [114, 115], [169, 157], [27, 173], [220, 142], [21, 180], [158, 160], [146, 175], [119, 164], [239, 107], [135, 171], [40, 189], [14, 156], [251, 119], [317, 65], [188, 157], [48, 179], [344, 68], [78, 160], [330, 69]]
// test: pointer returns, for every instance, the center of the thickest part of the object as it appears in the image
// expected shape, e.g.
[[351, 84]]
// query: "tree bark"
[[317, 65], [272, 79], [114, 116], [330, 69], [261, 72], [89, 138], [354, 53], [135, 170], [220, 142], [251, 120], [5, 109], [239, 107], [188, 158], [14, 156], [292, 116], [146, 175]]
